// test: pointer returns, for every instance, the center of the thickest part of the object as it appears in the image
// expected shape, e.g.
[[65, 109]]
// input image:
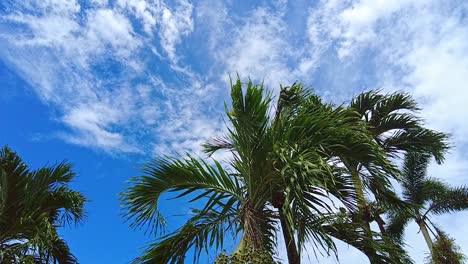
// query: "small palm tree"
[[430, 196], [33, 204]]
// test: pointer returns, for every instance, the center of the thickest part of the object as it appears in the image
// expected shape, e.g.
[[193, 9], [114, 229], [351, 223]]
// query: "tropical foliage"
[[33, 205], [281, 173], [445, 250], [293, 161], [430, 197], [299, 170], [392, 123]]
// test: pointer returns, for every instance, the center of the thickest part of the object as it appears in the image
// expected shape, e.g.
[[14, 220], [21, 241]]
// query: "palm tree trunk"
[[381, 224], [425, 233], [241, 248], [291, 249], [362, 205]]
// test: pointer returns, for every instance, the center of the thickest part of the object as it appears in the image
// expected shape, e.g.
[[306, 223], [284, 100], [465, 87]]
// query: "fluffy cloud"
[[171, 24], [259, 49]]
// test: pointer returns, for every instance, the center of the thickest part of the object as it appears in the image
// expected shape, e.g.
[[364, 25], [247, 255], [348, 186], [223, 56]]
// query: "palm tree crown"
[[430, 196], [33, 204], [284, 167], [391, 121]]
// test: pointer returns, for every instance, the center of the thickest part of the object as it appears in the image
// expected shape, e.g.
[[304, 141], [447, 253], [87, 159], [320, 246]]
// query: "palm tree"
[[33, 205], [283, 170], [430, 196], [392, 122]]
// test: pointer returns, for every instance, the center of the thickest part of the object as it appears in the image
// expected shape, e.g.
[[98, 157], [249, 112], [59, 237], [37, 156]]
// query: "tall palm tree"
[[430, 196], [33, 204], [283, 170], [392, 122]]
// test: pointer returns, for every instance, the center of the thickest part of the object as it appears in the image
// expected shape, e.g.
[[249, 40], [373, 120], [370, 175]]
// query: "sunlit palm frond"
[[184, 176]]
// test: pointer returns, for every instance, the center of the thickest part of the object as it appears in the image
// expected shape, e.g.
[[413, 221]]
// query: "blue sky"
[[109, 84]]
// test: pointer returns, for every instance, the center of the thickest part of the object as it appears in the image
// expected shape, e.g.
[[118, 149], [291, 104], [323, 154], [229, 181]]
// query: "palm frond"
[[185, 176], [215, 144], [34, 205], [445, 250], [414, 176], [446, 199], [60, 251], [392, 121], [419, 140], [352, 234], [398, 220], [202, 232], [365, 102]]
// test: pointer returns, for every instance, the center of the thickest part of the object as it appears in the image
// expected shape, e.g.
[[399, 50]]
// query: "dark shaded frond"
[[419, 140], [414, 176], [201, 232], [352, 234], [446, 199], [396, 101], [61, 252], [365, 102], [398, 220], [392, 121], [445, 250]]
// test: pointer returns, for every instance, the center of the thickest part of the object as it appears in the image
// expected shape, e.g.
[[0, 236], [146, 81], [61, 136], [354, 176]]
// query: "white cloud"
[[171, 24], [212, 19], [174, 25], [360, 19], [144, 10], [89, 124], [55, 53], [54, 6], [100, 3], [438, 76], [107, 27], [259, 49]]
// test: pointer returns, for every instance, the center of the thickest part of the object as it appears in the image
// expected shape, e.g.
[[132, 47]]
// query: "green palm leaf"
[[185, 176]]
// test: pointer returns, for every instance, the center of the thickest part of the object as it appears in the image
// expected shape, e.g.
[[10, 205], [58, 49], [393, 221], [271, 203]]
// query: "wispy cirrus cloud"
[[90, 62]]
